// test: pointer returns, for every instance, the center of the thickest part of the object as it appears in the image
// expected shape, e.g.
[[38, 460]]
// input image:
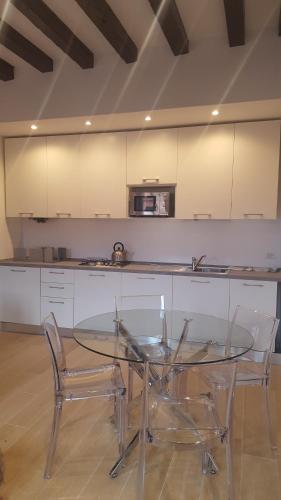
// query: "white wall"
[[6, 247], [225, 242]]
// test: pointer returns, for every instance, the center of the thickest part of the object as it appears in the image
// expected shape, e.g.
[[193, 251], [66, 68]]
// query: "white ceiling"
[[245, 111]]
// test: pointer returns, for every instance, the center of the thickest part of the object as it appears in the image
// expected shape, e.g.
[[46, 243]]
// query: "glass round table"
[[158, 337]]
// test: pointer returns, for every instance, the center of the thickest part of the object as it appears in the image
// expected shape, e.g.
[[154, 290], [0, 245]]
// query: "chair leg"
[[229, 478], [269, 418], [143, 435], [53, 438], [121, 422]]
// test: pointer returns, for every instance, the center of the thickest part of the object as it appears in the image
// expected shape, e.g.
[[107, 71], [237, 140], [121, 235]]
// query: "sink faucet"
[[196, 262]]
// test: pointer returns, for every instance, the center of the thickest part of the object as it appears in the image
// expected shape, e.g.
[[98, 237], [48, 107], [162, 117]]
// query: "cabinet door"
[[26, 177], [148, 284], [152, 157], [62, 309], [95, 293], [64, 197], [20, 295], [255, 171], [201, 295], [205, 172], [103, 175], [258, 295]]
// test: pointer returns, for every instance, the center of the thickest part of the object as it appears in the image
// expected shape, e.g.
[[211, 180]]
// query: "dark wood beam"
[[106, 21], [235, 21], [50, 24], [23, 48], [6, 71], [172, 26]]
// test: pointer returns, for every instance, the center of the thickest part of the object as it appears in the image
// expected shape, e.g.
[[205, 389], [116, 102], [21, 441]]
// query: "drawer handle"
[[150, 179], [58, 287], [97, 275], [248, 215], [56, 272], [195, 281], [55, 302], [18, 270], [145, 278], [195, 215], [26, 213], [66, 214], [256, 285], [102, 214]]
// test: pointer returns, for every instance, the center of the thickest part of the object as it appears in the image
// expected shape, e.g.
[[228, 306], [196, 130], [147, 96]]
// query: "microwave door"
[[145, 204]]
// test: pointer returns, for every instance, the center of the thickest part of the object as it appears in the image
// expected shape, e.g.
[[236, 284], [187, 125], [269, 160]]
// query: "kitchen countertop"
[[153, 268]]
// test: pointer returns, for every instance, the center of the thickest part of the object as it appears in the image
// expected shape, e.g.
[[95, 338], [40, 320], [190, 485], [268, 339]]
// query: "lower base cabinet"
[[62, 309], [201, 295], [259, 295]]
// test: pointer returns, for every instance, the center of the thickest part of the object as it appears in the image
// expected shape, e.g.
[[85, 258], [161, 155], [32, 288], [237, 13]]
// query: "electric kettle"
[[119, 254]]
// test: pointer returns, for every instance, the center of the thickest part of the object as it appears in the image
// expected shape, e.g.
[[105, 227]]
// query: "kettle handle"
[[120, 244]]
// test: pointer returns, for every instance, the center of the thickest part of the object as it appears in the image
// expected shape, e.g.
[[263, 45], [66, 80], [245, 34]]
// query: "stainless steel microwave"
[[157, 202]]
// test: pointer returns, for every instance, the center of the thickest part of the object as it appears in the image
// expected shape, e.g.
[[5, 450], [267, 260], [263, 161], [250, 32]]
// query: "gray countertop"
[[152, 268]]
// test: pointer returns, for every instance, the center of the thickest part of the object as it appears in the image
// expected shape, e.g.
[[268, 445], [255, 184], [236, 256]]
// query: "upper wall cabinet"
[[26, 177], [102, 161], [64, 198], [152, 157], [205, 172], [255, 171]]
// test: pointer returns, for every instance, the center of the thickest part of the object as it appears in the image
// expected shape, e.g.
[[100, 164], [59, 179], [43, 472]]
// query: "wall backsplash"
[[256, 243]]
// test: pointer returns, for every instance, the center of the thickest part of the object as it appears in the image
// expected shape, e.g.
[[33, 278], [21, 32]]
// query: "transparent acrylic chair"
[[254, 367], [70, 385], [150, 301], [191, 422]]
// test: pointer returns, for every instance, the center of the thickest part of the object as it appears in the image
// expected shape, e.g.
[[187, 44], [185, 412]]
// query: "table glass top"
[[177, 337]]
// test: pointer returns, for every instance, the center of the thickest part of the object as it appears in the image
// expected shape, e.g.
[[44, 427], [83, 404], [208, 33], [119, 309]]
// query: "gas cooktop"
[[100, 262]]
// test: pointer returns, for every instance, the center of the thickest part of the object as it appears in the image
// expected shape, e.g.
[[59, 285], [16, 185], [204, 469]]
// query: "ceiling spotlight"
[[215, 112], [34, 127], [88, 123], [148, 118]]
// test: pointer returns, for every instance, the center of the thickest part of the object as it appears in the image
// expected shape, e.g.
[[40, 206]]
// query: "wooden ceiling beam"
[[23, 48], [235, 21], [51, 25], [106, 21], [172, 26], [6, 71]]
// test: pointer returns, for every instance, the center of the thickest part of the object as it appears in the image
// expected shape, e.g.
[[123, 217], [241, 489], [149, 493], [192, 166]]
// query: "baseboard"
[[30, 329]]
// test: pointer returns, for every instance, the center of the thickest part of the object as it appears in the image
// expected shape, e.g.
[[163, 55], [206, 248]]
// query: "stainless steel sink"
[[212, 269]]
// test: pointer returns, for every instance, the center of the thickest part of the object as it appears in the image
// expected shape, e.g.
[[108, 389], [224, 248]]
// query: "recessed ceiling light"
[[148, 118], [215, 112], [88, 123], [34, 127]]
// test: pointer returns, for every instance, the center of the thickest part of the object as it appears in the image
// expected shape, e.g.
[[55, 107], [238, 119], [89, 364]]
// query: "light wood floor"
[[87, 448]]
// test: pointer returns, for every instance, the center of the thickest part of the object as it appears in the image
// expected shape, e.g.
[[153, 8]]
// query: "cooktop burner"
[[100, 262]]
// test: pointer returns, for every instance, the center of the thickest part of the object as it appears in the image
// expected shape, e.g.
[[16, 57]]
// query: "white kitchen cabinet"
[[20, 295], [26, 177], [64, 197], [255, 170], [62, 309], [57, 292], [258, 295], [201, 294], [95, 293], [148, 284], [205, 172], [152, 157], [57, 275], [102, 159]]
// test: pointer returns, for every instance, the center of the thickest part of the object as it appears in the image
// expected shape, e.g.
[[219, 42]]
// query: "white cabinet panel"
[[95, 293], [103, 175], [259, 295], [26, 177], [20, 295], [201, 295], [64, 197], [65, 291], [62, 309], [148, 284], [255, 171], [56, 275], [152, 157], [205, 172]]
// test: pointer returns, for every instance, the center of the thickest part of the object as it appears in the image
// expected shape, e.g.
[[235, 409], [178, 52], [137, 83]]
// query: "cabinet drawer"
[[148, 284], [53, 275], [64, 290], [62, 309]]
